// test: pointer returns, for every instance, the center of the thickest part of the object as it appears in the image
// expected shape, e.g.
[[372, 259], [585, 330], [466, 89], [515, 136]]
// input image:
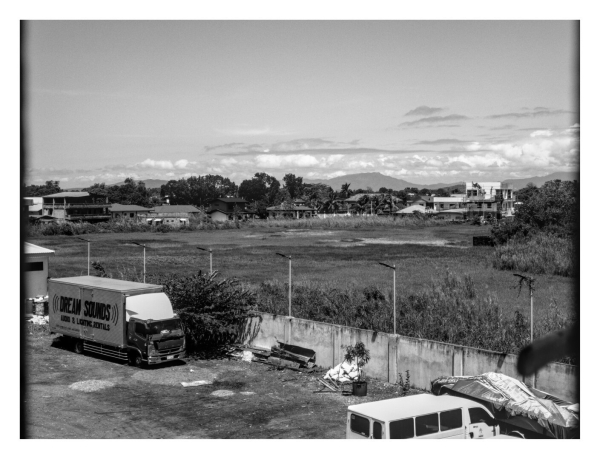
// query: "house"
[[425, 201], [293, 211], [222, 209], [447, 203], [75, 206], [178, 215], [411, 210], [125, 211], [452, 214], [35, 275], [33, 206], [489, 199]]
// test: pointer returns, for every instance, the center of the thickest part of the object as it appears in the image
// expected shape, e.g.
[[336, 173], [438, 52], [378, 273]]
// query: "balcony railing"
[[84, 205]]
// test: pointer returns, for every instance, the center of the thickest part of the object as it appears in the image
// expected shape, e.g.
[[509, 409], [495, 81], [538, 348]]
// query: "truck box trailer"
[[125, 320]]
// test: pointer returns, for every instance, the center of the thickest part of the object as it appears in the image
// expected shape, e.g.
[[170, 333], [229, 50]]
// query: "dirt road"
[[83, 396]]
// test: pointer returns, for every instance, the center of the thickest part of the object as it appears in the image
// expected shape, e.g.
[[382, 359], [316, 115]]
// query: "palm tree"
[[346, 190]]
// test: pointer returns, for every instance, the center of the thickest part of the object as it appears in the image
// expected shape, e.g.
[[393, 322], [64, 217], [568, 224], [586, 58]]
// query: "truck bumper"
[[156, 359]]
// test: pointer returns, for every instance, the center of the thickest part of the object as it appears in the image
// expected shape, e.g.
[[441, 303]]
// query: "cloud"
[[150, 163], [541, 133], [250, 131], [441, 142], [536, 112], [501, 128], [276, 161], [423, 110], [227, 145], [431, 120]]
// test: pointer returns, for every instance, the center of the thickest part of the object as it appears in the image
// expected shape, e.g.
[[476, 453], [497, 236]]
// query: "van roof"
[[413, 405], [105, 283]]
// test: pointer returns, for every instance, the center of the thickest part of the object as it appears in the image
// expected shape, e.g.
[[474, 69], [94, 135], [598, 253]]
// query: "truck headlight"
[[152, 351]]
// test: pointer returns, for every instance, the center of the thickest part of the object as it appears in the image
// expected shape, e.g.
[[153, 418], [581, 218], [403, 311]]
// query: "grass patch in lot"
[[250, 256]]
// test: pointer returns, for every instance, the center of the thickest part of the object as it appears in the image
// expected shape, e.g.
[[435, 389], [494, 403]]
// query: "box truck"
[[124, 320]]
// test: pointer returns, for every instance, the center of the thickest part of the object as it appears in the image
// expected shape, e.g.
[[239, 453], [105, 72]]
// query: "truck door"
[[86, 331]]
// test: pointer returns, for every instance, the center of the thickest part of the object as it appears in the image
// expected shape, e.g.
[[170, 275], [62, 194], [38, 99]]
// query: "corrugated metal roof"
[[32, 249], [68, 194], [411, 209], [127, 208], [105, 283], [175, 209]]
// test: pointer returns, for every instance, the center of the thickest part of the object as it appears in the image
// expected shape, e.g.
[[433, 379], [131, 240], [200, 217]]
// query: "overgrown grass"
[[448, 310], [541, 253], [200, 224]]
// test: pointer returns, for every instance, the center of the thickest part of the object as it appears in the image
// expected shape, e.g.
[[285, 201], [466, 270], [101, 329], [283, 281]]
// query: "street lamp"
[[393, 267], [88, 243], [210, 255], [144, 246], [290, 282], [529, 281]]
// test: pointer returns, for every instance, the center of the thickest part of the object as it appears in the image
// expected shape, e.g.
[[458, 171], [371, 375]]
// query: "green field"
[[340, 257]]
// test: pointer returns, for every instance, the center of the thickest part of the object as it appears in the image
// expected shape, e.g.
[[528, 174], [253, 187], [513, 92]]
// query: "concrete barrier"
[[392, 354]]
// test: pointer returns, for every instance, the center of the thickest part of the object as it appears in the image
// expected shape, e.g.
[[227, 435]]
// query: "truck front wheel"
[[78, 346], [135, 359]]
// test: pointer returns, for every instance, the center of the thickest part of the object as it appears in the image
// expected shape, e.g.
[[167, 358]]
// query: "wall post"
[[393, 360]]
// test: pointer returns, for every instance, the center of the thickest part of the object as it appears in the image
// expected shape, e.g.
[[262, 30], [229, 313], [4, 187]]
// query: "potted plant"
[[360, 355]]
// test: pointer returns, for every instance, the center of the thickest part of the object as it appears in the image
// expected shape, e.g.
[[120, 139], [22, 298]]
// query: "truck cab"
[[155, 341]]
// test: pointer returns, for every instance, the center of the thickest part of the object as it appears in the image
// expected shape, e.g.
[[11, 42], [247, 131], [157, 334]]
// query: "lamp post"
[[393, 268], [88, 243], [210, 256], [290, 281], [529, 281], [144, 246]]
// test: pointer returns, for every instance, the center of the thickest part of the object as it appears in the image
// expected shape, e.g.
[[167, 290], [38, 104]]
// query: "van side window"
[[480, 415], [427, 424], [405, 428], [451, 420], [360, 425], [377, 430]]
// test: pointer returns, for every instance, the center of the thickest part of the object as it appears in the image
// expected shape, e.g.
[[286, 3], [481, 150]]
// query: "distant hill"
[[539, 181], [376, 180]]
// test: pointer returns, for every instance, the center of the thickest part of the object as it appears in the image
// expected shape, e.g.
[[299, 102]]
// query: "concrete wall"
[[425, 360]]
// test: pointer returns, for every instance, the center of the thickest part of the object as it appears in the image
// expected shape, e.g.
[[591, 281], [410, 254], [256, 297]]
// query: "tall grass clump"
[[203, 224], [449, 310], [540, 253]]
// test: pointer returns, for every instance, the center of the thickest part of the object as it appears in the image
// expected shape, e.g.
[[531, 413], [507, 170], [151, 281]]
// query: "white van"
[[421, 416]]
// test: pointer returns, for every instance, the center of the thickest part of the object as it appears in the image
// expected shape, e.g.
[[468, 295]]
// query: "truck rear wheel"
[[135, 359], [78, 346]]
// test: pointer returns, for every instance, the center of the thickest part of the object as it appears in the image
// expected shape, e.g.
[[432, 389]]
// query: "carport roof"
[[32, 249]]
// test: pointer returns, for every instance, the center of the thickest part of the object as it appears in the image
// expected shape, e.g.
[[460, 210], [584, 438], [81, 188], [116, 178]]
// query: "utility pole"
[[529, 281], [393, 268], [289, 283], [210, 257], [144, 246], [88, 243]]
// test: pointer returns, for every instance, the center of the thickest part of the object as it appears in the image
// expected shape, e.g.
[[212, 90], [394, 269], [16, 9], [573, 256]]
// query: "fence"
[[393, 354]]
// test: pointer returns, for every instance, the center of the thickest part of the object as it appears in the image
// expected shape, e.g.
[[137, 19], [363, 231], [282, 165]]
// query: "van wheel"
[[78, 347], [135, 359]]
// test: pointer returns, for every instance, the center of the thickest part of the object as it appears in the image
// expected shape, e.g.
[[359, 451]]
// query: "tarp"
[[503, 393], [411, 209]]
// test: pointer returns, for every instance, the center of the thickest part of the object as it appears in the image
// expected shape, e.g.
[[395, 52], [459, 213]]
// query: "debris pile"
[[281, 356]]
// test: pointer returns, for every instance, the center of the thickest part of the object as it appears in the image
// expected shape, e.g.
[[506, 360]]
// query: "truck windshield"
[[171, 325]]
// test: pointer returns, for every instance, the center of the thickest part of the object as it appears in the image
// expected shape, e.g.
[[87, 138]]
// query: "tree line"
[[261, 191]]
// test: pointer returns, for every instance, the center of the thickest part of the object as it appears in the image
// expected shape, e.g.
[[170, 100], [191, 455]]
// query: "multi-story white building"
[[489, 198]]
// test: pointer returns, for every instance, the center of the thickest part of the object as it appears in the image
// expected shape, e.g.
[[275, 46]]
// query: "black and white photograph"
[[299, 228]]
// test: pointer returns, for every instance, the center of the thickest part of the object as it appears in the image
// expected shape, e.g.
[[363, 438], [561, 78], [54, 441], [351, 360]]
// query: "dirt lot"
[[84, 396]]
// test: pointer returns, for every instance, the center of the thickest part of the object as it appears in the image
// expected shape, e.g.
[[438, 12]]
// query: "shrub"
[[447, 310], [212, 311], [542, 253]]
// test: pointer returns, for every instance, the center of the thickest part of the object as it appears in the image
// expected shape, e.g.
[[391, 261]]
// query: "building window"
[[131, 214], [489, 205], [34, 266], [479, 205]]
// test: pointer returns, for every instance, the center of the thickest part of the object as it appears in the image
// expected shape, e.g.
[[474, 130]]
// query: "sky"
[[423, 101]]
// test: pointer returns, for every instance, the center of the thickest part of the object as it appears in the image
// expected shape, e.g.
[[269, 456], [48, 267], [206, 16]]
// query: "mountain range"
[[376, 180]]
